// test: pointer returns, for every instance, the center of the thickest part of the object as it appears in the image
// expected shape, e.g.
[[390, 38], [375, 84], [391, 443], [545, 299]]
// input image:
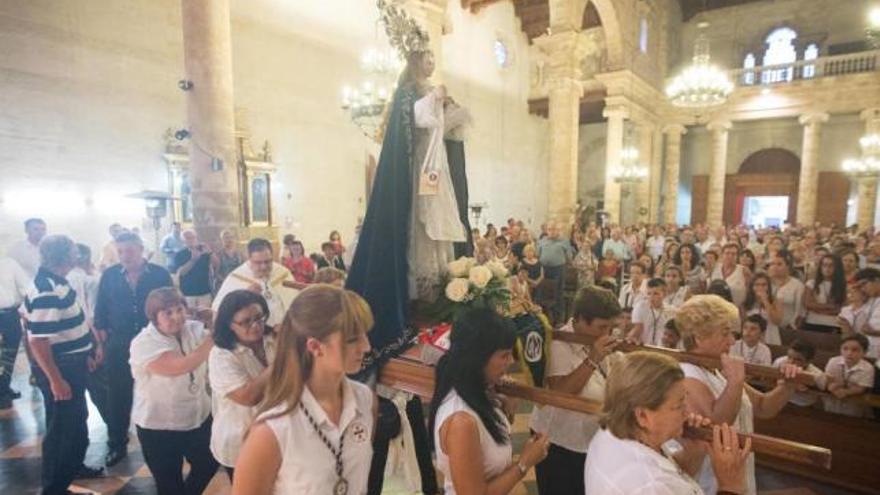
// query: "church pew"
[[854, 441]]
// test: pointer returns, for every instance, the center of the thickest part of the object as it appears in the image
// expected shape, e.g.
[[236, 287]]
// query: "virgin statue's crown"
[[404, 33]]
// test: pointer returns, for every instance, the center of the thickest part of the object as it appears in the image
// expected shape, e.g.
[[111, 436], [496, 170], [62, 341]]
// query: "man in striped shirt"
[[60, 343]]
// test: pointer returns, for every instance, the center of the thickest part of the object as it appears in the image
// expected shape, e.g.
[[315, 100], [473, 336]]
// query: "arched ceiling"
[[535, 14]]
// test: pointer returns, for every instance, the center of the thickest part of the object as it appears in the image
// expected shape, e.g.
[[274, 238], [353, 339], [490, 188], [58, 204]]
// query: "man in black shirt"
[[330, 258], [119, 316], [193, 268]]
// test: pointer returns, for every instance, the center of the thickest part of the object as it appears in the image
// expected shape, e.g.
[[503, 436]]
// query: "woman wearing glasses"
[[239, 370]]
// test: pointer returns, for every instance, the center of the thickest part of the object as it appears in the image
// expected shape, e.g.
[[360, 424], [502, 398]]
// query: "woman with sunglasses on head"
[[314, 429], [471, 433], [238, 368]]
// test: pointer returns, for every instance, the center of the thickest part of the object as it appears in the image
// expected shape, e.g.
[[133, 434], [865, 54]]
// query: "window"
[[502, 56], [749, 75], [811, 53], [643, 35], [780, 50]]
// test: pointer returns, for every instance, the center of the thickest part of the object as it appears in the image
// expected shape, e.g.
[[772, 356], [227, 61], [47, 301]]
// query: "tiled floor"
[[21, 428]]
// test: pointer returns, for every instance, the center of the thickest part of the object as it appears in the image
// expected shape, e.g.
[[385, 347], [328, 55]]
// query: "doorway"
[[765, 211]]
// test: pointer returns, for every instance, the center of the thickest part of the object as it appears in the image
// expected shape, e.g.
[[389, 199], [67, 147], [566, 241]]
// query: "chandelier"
[[873, 29], [869, 164], [701, 84], [630, 170], [367, 102]]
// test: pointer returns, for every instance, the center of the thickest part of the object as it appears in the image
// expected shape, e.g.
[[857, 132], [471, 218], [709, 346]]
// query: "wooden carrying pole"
[[758, 372], [417, 378]]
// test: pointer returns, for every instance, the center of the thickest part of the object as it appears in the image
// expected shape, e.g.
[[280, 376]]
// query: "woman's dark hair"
[[288, 239], [720, 288], [235, 301], [750, 255], [751, 298], [476, 335], [787, 258], [838, 280], [695, 255]]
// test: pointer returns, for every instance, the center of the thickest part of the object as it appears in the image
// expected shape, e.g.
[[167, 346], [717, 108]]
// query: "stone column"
[[809, 180], [642, 189], [207, 52], [867, 186], [656, 174], [718, 172], [564, 51], [613, 147], [673, 163], [866, 202]]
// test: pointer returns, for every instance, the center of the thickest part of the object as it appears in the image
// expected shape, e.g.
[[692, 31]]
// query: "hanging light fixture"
[[366, 103], [869, 164], [701, 84], [630, 170]]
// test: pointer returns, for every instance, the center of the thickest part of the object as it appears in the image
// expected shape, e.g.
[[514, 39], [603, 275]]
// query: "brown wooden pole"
[[766, 374], [417, 378]]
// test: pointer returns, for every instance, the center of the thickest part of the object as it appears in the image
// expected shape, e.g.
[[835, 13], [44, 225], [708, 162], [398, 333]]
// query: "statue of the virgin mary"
[[416, 220]]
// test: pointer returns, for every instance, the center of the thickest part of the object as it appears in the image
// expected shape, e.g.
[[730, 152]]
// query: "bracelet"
[[523, 470]]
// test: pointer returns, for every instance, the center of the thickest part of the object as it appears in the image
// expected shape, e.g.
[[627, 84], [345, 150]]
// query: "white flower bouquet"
[[469, 285]]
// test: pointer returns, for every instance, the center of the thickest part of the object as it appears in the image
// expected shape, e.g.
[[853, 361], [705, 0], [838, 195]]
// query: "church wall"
[[88, 88], [86, 91], [591, 163], [734, 31], [506, 147]]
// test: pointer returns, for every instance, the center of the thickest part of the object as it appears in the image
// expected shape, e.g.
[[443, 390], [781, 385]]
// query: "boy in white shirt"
[[849, 375], [650, 317], [634, 292], [801, 353], [751, 346], [671, 336]]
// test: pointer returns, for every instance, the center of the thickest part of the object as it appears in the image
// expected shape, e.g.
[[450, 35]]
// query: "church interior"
[[271, 118]]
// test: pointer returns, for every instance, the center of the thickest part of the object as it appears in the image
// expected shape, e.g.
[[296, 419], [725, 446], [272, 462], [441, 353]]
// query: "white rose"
[[459, 267], [457, 289], [480, 276], [497, 268]]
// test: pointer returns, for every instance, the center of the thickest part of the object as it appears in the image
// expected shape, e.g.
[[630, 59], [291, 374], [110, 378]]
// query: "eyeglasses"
[[250, 322]]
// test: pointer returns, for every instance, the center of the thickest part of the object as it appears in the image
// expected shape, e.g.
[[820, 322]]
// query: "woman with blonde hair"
[[706, 324], [644, 408], [313, 434]]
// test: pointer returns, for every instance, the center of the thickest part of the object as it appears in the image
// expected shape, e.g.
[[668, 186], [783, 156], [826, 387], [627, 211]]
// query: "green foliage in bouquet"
[[468, 285]]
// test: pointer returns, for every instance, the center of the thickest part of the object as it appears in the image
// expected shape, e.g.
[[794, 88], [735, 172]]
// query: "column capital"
[[674, 129], [812, 118], [619, 112], [720, 125], [564, 52], [870, 114]]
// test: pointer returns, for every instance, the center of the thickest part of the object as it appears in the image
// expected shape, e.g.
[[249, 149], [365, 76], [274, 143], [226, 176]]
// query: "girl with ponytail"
[[313, 432], [471, 433]]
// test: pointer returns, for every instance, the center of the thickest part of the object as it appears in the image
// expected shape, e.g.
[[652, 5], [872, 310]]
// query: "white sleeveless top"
[[307, 465], [496, 458], [744, 423], [736, 281]]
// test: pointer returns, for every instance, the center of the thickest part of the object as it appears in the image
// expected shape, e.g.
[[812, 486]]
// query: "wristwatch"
[[523, 470]]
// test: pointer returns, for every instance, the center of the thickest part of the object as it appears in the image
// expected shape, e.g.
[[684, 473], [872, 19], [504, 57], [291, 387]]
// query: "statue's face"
[[427, 64]]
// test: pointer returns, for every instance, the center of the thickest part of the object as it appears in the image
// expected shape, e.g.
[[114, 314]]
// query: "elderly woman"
[[644, 409], [706, 324], [238, 367]]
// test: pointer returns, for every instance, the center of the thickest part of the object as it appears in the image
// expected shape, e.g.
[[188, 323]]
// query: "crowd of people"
[[241, 358]]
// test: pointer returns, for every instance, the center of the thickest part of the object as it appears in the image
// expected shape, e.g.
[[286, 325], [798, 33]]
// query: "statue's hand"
[[440, 91]]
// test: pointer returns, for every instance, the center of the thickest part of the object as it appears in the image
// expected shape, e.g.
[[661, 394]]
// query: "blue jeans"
[[67, 431]]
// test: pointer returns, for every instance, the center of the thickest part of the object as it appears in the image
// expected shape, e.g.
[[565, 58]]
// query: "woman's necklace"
[[193, 387], [341, 486]]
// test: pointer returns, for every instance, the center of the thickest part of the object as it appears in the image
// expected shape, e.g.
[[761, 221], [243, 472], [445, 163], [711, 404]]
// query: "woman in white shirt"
[[825, 296], [578, 370], [706, 324], [471, 432], [787, 289], [736, 275], [644, 414], [239, 370], [761, 301], [172, 409], [314, 430], [677, 292]]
